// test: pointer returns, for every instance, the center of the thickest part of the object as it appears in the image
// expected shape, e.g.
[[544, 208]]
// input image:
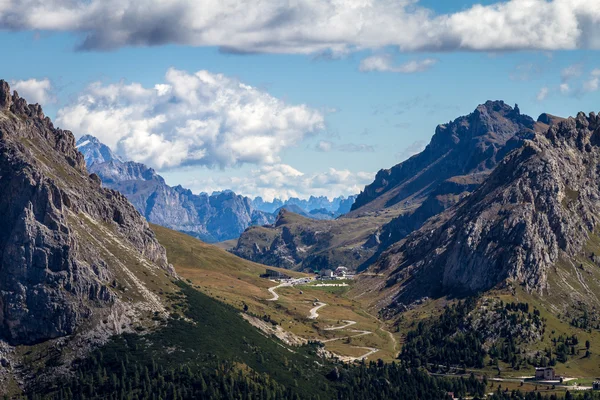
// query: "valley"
[[435, 285], [305, 310]]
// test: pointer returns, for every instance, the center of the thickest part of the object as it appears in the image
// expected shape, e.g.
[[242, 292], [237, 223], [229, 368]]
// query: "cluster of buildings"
[[324, 274], [338, 273]]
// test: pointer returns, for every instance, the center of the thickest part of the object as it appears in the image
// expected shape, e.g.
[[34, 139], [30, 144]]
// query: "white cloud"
[[384, 63], [324, 146], [564, 88], [313, 26], [542, 94], [592, 84], [34, 90], [190, 119], [283, 181], [570, 72], [525, 72], [327, 146]]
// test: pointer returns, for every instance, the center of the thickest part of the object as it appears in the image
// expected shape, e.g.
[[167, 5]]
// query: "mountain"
[[461, 154], [76, 258], [328, 209], [82, 273], [532, 224], [212, 218], [91, 308], [94, 151], [468, 145]]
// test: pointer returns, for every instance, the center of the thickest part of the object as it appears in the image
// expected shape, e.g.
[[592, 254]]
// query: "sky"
[[292, 98]]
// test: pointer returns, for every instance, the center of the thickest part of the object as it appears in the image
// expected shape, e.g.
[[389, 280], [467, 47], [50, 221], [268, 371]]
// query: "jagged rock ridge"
[[310, 207], [460, 156], [64, 240], [470, 144], [540, 205]]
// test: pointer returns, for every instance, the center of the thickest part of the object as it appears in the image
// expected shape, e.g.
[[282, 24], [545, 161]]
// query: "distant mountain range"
[[213, 218], [314, 205]]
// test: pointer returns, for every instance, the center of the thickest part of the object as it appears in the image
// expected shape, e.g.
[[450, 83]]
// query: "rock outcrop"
[[64, 240], [539, 206]]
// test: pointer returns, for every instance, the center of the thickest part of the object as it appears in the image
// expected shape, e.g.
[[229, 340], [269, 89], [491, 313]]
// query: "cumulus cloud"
[[525, 72], [283, 181], [190, 119], [384, 63], [570, 72], [542, 94], [313, 26], [34, 90], [593, 82], [327, 146]]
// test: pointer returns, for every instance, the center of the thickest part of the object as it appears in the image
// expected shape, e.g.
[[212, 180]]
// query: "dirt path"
[[313, 311], [335, 328], [313, 314], [370, 351], [358, 333], [272, 291]]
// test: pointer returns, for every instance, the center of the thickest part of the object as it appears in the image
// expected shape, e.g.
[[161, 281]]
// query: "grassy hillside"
[[208, 353], [216, 272], [236, 281], [227, 244]]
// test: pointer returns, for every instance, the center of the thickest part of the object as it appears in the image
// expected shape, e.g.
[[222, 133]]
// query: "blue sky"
[[358, 119]]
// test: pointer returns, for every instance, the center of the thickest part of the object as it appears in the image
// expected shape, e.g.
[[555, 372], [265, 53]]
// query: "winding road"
[[313, 311], [335, 328], [313, 314], [272, 290]]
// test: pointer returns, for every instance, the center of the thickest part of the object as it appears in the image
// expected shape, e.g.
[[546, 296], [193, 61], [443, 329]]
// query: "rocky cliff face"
[[469, 144], [540, 205], [214, 218], [460, 156], [64, 240]]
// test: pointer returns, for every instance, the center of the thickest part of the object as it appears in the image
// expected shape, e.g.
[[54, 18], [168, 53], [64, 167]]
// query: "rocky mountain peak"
[[5, 95], [94, 151], [472, 143], [491, 122], [540, 205], [64, 240]]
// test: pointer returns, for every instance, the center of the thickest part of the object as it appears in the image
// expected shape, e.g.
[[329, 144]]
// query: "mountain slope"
[[467, 145], [460, 156], [78, 263], [297, 242], [214, 218], [530, 223]]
